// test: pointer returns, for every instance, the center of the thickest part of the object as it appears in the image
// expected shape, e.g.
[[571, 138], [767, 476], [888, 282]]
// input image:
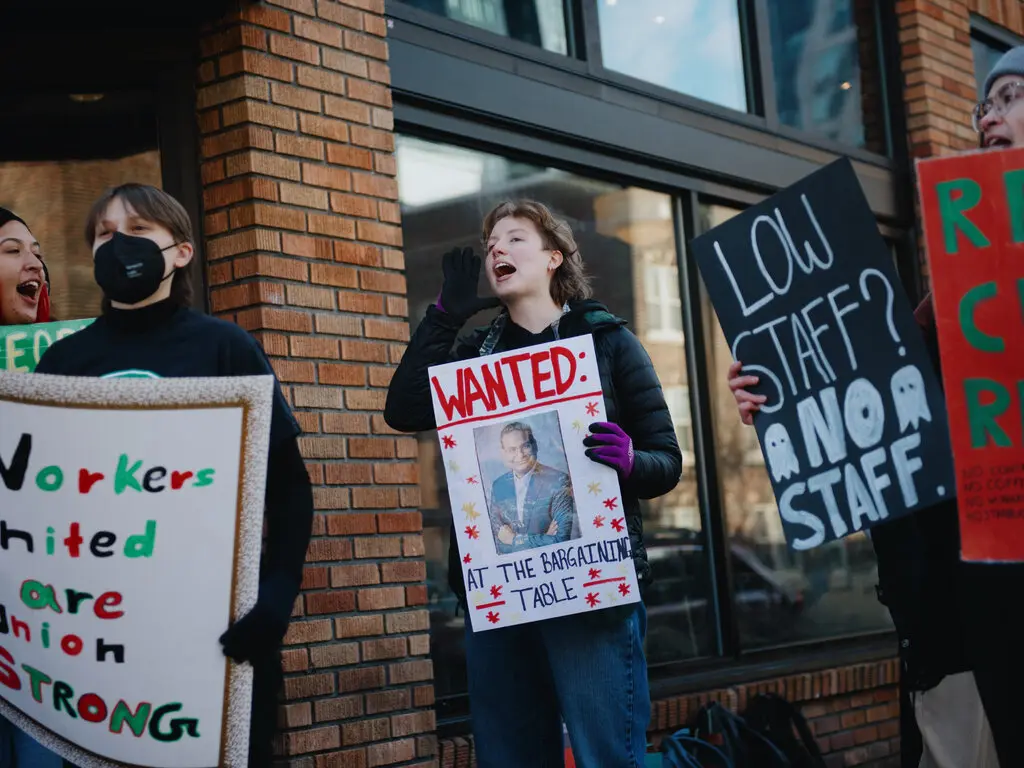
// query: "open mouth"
[[29, 289], [997, 141], [503, 270]]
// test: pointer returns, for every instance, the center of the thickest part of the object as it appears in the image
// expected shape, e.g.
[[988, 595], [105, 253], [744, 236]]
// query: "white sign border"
[[254, 394]]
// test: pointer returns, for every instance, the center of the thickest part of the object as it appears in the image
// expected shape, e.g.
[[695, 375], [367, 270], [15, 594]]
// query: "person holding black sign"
[[142, 245], [588, 669], [959, 641]]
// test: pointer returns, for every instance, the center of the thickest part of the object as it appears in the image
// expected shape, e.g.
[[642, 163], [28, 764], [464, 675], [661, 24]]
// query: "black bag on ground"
[[683, 750], [744, 746], [781, 723]]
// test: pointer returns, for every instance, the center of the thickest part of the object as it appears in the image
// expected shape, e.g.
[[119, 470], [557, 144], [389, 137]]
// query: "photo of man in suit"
[[532, 504]]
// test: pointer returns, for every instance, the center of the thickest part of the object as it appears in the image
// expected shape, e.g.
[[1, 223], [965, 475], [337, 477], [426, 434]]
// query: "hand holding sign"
[[852, 425], [747, 403]]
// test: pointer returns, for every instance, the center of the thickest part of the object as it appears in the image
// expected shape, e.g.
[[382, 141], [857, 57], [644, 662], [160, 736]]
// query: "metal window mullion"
[[761, 70], [686, 223]]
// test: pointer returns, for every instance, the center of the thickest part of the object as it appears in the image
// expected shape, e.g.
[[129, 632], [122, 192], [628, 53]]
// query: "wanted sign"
[[854, 428], [540, 527]]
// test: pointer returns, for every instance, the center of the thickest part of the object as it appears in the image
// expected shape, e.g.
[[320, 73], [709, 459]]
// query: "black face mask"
[[130, 269]]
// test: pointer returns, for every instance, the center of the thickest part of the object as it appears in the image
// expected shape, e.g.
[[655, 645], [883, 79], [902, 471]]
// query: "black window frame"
[[584, 59], [991, 34], [732, 664]]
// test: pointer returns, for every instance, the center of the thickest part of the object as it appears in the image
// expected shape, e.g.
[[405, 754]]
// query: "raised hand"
[[747, 403], [459, 297]]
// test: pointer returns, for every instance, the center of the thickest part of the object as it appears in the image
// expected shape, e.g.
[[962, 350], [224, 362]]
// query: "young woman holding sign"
[[24, 300], [141, 240], [959, 636], [589, 669]]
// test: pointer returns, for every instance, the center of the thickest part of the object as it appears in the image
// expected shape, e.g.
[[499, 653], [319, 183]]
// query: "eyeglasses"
[[999, 104]]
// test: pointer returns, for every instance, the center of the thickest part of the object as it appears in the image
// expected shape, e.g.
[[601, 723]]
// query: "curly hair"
[[570, 281]]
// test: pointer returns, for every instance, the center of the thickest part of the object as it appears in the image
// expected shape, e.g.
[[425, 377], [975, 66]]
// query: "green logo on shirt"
[[132, 373]]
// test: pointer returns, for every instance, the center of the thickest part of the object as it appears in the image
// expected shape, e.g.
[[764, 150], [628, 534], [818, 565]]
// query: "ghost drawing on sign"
[[781, 456], [909, 397]]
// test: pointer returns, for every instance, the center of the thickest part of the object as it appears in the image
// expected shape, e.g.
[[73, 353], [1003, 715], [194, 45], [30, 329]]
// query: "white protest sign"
[[130, 522], [540, 526]]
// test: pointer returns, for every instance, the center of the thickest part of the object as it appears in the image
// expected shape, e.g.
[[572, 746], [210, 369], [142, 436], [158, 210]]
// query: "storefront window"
[[58, 152], [780, 596], [626, 236], [986, 53], [826, 64], [692, 47], [537, 22]]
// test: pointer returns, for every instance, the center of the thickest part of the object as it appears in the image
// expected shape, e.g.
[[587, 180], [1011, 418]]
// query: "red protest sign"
[[973, 218]]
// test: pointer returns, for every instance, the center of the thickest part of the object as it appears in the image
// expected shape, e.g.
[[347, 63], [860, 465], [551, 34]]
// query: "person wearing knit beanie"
[[24, 289]]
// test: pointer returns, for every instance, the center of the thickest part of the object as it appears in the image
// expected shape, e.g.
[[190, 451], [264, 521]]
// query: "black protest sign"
[[854, 428]]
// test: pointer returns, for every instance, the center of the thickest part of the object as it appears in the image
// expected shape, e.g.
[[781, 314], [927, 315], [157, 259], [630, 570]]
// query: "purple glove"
[[607, 444]]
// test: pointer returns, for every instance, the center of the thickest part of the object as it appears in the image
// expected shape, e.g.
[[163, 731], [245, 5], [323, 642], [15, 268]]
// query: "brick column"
[[302, 238], [940, 87], [935, 43]]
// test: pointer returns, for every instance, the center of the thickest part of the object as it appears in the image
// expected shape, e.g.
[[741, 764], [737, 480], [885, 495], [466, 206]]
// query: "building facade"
[[331, 150]]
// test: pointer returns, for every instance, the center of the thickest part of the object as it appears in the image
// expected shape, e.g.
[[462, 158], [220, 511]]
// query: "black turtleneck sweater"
[[164, 340]]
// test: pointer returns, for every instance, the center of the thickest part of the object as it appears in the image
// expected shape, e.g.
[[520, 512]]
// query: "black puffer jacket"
[[919, 574], [631, 388]]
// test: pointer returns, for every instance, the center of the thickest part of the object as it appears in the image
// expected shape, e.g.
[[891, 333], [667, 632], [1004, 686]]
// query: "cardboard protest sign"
[[973, 217], [854, 428], [22, 346], [540, 526], [130, 522]]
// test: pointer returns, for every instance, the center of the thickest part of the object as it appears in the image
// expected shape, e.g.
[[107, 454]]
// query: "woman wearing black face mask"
[[142, 245]]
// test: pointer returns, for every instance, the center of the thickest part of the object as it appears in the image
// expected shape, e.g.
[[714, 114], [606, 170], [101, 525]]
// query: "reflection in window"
[[692, 47], [57, 154], [986, 53], [622, 232], [780, 596], [678, 399], [827, 74], [538, 22]]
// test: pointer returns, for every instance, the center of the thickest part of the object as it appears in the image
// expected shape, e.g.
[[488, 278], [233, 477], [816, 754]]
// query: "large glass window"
[[538, 22], [986, 53], [780, 596], [693, 47], [825, 60], [625, 235], [58, 152]]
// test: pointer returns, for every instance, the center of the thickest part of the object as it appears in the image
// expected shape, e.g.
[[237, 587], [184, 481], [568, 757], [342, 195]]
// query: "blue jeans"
[[19, 750], [588, 670]]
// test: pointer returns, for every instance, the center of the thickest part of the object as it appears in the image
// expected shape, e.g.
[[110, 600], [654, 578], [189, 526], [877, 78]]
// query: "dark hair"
[[7, 216], [153, 205], [526, 429], [570, 281]]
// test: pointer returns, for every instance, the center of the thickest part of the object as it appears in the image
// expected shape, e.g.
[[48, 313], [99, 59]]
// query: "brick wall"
[[302, 237], [938, 68]]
